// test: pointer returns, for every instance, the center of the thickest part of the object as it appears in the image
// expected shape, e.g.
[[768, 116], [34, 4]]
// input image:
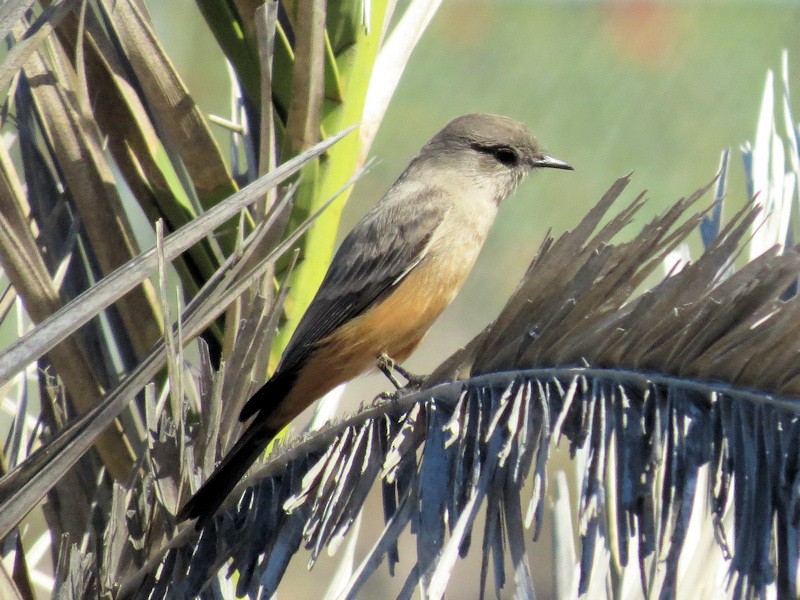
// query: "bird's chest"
[[457, 244]]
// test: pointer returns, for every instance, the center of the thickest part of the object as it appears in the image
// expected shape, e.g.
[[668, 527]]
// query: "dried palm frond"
[[647, 389], [98, 126], [678, 403]]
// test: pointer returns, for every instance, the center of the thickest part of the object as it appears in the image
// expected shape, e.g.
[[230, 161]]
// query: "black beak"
[[548, 162]]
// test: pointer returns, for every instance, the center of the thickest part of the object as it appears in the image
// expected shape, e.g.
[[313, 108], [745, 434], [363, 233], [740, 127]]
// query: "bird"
[[391, 277]]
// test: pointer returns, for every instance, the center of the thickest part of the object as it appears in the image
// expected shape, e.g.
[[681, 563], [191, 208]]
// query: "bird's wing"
[[372, 260]]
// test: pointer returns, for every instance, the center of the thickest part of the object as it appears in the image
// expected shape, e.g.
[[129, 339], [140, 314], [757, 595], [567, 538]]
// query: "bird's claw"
[[388, 366], [392, 397], [385, 396]]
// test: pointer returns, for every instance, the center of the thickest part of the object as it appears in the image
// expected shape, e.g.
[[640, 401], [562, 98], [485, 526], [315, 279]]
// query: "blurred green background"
[[657, 88]]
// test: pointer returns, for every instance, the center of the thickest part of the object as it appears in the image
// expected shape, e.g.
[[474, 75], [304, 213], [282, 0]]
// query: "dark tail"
[[233, 467], [254, 440], [269, 396]]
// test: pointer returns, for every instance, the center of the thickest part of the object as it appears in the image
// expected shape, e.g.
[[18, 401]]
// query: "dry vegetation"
[[678, 402]]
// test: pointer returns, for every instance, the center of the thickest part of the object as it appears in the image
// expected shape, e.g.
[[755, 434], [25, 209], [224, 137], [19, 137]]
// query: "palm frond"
[[99, 125], [645, 390], [21, 489], [678, 403]]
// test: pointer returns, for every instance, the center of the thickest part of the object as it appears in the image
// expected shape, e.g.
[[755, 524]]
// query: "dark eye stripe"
[[504, 155]]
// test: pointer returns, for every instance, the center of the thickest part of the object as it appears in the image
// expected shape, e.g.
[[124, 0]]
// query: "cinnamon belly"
[[395, 327]]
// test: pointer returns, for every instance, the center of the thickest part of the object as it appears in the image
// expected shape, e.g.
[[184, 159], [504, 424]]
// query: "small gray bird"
[[393, 275]]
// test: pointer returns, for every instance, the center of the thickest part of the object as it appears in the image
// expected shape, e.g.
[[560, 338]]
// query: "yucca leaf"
[[178, 119], [135, 146], [27, 272], [78, 147], [7, 586], [305, 106], [31, 40], [59, 326], [11, 13], [334, 86], [20, 489], [344, 24], [229, 31], [390, 63]]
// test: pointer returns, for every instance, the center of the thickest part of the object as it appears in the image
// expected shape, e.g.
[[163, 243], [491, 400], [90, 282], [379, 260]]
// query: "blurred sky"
[[657, 88]]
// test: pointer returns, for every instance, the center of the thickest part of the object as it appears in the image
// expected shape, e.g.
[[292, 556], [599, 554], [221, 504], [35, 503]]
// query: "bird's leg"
[[388, 366], [412, 379]]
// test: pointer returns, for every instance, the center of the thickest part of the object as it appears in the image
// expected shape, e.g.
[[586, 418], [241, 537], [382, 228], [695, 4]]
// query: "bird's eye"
[[506, 156], [502, 154]]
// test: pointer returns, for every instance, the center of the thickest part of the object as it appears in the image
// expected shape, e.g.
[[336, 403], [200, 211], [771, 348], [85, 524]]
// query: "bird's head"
[[491, 150]]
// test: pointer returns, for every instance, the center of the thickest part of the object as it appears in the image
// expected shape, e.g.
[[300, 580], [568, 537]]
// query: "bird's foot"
[[412, 380], [383, 396], [388, 366]]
